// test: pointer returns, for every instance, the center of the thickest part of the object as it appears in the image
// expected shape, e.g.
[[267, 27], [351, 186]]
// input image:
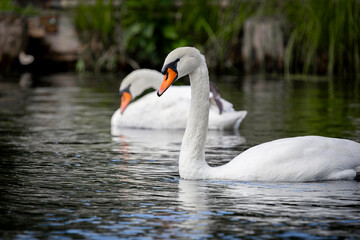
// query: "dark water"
[[63, 176]]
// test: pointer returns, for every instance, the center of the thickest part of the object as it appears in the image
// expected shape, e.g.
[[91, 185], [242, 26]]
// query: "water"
[[64, 177]]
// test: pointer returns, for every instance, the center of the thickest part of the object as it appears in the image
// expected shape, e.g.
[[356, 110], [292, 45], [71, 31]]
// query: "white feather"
[[168, 112], [308, 158]]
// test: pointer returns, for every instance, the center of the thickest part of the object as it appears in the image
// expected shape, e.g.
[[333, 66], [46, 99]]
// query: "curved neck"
[[192, 153], [144, 84], [142, 80]]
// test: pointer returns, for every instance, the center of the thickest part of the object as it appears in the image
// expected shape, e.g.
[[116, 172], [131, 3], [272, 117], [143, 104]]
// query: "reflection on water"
[[269, 210], [63, 175]]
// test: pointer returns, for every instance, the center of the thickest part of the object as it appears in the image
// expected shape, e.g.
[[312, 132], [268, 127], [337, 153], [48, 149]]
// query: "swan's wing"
[[225, 105], [171, 111], [228, 119], [298, 159], [217, 102]]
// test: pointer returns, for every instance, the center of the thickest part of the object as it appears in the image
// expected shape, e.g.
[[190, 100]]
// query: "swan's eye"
[[170, 66]]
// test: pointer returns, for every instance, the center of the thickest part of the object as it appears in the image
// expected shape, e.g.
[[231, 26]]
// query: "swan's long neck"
[[146, 79], [192, 162], [152, 80]]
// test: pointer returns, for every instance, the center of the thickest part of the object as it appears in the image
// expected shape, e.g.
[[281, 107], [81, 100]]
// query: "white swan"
[[308, 158], [170, 112]]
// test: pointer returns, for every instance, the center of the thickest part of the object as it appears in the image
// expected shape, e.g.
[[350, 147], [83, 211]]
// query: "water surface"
[[63, 176]]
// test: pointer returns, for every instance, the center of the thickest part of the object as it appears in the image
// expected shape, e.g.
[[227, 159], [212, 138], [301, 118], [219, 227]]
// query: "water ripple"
[[64, 177]]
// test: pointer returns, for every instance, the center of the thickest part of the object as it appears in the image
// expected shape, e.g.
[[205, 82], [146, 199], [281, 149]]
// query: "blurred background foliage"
[[149, 30], [323, 32], [322, 36], [9, 6], [96, 28]]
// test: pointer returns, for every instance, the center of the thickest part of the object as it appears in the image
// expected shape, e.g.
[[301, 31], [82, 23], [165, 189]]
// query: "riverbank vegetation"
[[324, 37], [316, 36], [9, 6], [321, 36]]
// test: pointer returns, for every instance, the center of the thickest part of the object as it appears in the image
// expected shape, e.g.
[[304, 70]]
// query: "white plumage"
[[308, 158], [168, 112]]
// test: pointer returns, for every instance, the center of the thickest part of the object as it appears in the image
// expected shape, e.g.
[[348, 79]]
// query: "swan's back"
[[306, 158], [171, 111]]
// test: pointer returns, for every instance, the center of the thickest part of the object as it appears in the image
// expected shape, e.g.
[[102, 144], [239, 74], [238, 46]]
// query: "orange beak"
[[169, 78], [125, 100]]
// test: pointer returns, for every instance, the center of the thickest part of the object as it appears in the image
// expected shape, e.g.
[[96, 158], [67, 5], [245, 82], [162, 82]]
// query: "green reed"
[[9, 6], [96, 19], [96, 24], [149, 31], [215, 28], [324, 37]]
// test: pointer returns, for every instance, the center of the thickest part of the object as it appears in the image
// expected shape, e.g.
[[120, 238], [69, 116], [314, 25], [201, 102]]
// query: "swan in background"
[[170, 112], [308, 158]]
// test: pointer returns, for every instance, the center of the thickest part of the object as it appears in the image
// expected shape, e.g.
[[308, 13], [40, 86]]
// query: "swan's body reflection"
[[266, 205], [168, 141]]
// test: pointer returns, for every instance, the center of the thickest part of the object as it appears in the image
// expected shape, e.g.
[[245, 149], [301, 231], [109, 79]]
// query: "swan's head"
[[179, 63], [136, 83]]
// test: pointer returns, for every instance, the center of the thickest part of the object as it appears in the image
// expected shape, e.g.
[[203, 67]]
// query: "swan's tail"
[[239, 120], [227, 120]]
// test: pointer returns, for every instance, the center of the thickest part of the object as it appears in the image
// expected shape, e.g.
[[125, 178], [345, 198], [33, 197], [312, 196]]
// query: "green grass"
[[323, 32], [322, 37], [9, 6]]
